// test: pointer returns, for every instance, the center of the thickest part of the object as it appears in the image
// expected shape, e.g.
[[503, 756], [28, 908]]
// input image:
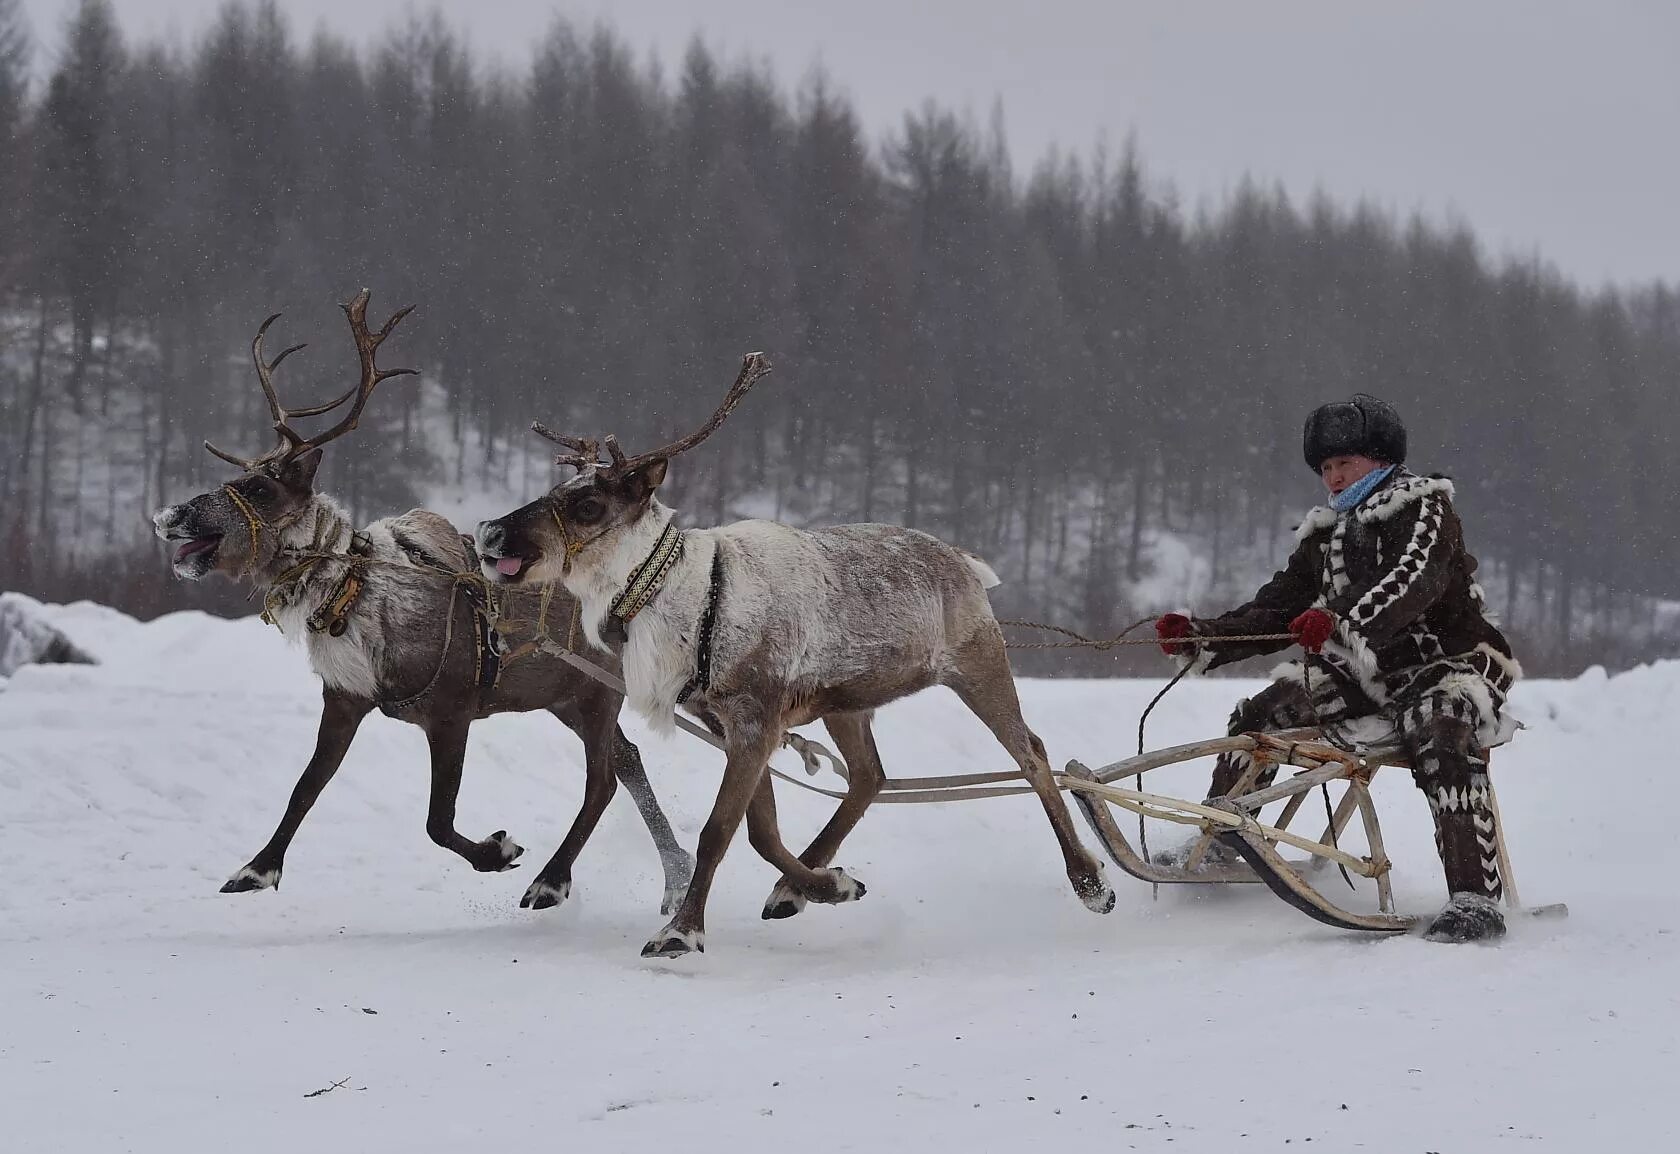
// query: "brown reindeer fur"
[[393, 648]]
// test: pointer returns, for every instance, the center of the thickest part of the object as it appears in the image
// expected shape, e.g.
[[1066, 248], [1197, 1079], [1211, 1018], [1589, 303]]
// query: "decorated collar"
[[649, 576]]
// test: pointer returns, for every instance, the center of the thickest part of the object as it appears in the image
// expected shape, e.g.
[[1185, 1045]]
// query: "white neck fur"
[[601, 572], [659, 654]]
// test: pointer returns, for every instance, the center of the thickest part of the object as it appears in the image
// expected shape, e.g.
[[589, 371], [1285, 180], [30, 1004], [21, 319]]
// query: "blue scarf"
[[1360, 489]]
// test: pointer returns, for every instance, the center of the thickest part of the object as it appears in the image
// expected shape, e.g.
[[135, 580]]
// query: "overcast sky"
[[1550, 127]]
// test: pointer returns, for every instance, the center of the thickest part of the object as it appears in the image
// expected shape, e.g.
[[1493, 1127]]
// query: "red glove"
[[1168, 629], [1312, 629]]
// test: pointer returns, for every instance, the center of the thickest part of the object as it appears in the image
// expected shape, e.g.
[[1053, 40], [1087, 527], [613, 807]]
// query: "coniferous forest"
[[1063, 369]]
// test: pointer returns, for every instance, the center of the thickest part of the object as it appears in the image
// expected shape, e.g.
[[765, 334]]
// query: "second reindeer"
[[756, 627]]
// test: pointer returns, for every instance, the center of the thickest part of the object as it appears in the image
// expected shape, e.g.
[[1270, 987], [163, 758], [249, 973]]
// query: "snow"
[[25, 636], [968, 1000]]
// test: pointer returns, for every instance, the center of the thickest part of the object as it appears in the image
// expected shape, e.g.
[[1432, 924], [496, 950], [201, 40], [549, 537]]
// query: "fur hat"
[[1364, 426]]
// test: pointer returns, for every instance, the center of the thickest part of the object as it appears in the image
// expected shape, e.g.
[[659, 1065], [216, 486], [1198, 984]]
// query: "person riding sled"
[[1380, 594]]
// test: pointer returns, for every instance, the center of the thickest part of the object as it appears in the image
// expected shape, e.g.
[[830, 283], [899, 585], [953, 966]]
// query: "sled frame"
[[1234, 819]]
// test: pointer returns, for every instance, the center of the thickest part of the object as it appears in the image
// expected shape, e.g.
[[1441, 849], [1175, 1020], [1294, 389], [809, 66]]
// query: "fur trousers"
[[1439, 714]]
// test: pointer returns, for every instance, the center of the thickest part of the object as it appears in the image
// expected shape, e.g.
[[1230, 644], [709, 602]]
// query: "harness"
[[487, 643], [645, 583], [255, 522], [702, 677], [573, 548], [332, 615]]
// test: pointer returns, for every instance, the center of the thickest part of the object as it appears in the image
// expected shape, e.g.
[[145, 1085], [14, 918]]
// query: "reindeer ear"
[[639, 484], [300, 473]]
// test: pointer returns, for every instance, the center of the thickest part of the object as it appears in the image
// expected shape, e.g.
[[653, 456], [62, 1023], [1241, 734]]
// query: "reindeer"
[[755, 627], [395, 618]]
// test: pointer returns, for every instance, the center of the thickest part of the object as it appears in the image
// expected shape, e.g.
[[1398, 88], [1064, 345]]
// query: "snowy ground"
[[969, 1000]]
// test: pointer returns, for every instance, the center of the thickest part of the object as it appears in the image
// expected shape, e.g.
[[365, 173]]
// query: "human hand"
[[1168, 629], [1312, 629]]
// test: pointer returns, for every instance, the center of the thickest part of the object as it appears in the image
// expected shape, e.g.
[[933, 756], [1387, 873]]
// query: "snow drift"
[[969, 1000], [27, 638]]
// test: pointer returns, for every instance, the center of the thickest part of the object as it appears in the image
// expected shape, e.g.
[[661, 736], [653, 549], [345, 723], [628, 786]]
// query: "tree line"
[[1064, 370]]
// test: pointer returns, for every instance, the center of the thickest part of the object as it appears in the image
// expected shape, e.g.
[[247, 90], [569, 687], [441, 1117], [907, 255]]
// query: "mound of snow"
[[27, 638], [968, 1000]]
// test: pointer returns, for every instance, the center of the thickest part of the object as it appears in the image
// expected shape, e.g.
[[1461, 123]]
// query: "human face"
[[1340, 472]]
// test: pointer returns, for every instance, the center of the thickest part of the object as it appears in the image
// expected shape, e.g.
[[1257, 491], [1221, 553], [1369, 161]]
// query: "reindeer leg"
[[828, 886], [676, 861], [596, 727], [750, 746], [856, 742], [448, 739], [982, 679], [341, 716]]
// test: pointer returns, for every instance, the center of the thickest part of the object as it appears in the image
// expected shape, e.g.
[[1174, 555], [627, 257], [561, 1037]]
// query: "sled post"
[[1380, 864], [1291, 808], [1505, 875], [1257, 764]]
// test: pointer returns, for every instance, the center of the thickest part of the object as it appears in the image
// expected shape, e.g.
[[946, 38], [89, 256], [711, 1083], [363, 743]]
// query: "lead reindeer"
[[390, 624], [756, 627]]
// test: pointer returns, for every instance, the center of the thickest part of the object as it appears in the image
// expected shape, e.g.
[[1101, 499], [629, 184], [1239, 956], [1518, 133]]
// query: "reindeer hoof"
[[673, 898], [1101, 902], [842, 887], [249, 880], [1096, 893], [544, 894], [784, 902], [675, 943], [497, 852]]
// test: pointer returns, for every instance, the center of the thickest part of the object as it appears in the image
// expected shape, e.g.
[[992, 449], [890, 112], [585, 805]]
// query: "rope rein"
[[1079, 641]]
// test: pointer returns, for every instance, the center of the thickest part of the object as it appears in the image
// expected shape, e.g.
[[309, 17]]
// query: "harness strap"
[[274, 597], [491, 656], [506, 624], [487, 643], [443, 656], [333, 614], [320, 549], [702, 678], [646, 581], [253, 521]]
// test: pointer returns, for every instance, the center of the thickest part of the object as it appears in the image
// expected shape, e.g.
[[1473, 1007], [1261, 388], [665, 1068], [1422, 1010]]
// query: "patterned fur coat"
[[1395, 574]]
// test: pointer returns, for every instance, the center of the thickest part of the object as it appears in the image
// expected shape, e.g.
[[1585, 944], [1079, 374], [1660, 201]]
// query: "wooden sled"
[[1234, 821]]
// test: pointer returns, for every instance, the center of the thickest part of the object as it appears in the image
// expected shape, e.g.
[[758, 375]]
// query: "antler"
[[367, 344], [291, 444], [265, 377], [586, 452]]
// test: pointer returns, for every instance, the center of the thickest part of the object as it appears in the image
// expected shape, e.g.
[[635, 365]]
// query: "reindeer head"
[[540, 541], [235, 528]]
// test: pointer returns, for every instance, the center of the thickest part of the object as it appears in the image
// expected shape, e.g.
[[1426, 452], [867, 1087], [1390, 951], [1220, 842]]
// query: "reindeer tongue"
[[509, 566], [196, 545]]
